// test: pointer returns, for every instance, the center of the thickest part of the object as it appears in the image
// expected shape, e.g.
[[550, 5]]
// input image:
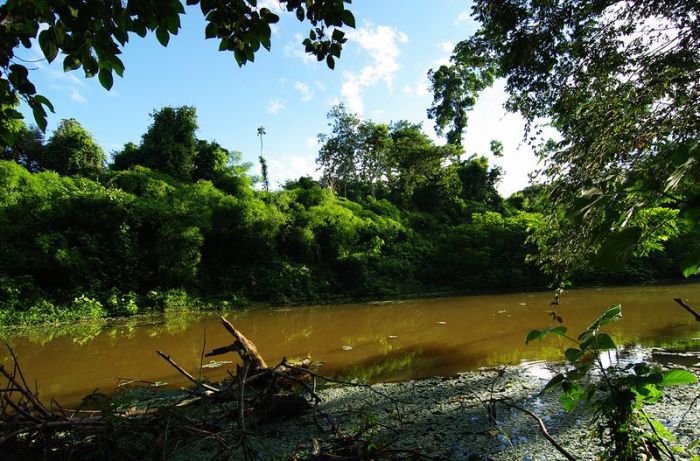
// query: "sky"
[[381, 75]]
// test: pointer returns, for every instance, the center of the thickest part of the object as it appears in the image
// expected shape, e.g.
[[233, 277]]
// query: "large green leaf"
[[618, 247], [539, 334], [676, 377], [611, 314]]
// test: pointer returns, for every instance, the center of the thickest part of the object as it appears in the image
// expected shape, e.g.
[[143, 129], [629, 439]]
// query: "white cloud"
[[291, 167], [381, 43], [275, 106], [463, 17], [447, 47], [295, 49], [76, 96], [321, 87], [312, 141], [422, 88], [304, 91]]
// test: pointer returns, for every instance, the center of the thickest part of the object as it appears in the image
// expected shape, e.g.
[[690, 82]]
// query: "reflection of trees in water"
[[80, 333]]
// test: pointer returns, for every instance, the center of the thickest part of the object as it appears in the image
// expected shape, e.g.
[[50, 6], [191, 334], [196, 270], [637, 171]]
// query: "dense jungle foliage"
[[176, 222]]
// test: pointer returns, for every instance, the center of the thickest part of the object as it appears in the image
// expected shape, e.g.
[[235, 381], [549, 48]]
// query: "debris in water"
[[441, 323], [216, 364], [347, 348]]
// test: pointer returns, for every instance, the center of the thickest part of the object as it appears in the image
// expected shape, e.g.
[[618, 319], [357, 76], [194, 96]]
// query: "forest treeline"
[[176, 222]]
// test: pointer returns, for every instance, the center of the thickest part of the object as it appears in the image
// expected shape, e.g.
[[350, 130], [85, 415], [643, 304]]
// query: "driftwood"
[[242, 345], [258, 393]]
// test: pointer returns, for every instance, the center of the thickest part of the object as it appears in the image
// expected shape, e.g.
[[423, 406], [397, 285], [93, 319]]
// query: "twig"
[[688, 308], [201, 357], [690, 407], [185, 373], [338, 381], [658, 437], [27, 392], [543, 429]]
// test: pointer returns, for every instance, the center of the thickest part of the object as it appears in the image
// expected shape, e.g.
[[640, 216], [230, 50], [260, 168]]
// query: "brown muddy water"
[[383, 341]]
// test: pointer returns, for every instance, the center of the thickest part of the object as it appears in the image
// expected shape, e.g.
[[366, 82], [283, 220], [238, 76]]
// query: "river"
[[383, 341]]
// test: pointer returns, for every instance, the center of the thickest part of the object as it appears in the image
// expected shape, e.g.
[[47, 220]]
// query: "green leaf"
[[47, 43], [70, 63], [573, 354], [300, 14], [676, 377], [569, 400], [539, 334], [533, 335], [618, 247], [348, 18], [163, 36], [330, 62], [45, 101], [338, 35], [554, 382], [39, 116], [106, 79], [211, 30], [611, 314], [598, 342], [690, 264]]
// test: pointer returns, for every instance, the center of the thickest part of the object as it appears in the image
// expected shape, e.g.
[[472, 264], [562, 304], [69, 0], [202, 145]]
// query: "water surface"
[[370, 341]]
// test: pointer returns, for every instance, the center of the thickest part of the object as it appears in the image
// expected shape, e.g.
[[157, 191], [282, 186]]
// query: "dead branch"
[[242, 345], [543, 428], [688, 308], [186, 374]]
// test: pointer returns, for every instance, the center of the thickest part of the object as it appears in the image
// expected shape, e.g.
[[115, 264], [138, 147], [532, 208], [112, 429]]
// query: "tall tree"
[[263, 162], [337, 156], [617, 79], [456, 87], [91, 34], [71, 150]]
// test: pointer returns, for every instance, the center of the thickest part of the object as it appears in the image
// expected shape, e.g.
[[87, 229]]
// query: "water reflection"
[[372, 342]]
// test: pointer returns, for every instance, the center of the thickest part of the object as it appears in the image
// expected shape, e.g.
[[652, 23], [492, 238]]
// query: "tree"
[[71, 150], [170, 144], [263, 162], [456, 87], [354, 155], [617, 80], [27, 147], [337, 156], [91, 34]]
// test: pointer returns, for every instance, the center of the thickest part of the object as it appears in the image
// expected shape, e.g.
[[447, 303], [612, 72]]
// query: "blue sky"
[[381, 75]]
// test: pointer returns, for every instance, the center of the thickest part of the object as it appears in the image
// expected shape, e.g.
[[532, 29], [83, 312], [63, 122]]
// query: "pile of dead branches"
[[212, 417]]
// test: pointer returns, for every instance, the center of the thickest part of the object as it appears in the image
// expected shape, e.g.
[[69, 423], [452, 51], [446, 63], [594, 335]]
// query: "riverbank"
[[448, 418], [84, 309]]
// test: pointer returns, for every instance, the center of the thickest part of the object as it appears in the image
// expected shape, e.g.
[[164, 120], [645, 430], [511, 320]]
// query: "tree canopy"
[[618, 81], [91, 34]]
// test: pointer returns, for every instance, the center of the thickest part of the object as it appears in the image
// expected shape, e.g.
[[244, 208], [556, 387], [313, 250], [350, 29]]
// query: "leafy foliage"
[[456, 87], [71, 150], [617, 393], [175, 222], [91, 34], [615, 80]]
